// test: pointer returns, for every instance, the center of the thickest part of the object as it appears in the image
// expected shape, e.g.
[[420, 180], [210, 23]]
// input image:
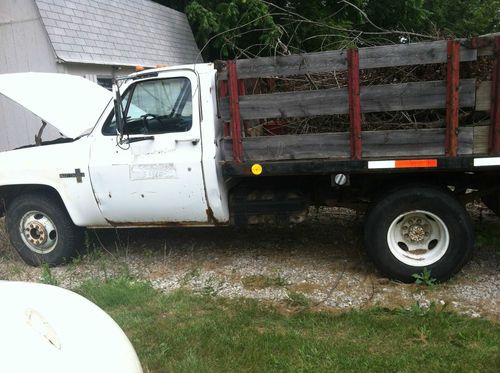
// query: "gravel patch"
[[321, 260]]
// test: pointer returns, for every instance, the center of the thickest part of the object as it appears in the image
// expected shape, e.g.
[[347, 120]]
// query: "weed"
[[46, 277], [189, 275], [213, 286], [424, 278], [94, 254], [255, 282], [296, 299]]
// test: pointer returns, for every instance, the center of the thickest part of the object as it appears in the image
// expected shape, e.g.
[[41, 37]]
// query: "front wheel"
[[416, 228], [41, 230]]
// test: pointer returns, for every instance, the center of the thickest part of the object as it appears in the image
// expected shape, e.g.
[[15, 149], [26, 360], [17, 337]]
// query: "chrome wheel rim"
[[38, 232], [418, 238]]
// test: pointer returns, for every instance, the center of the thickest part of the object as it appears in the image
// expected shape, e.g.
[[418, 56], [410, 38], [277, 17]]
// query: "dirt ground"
[[320, 264]]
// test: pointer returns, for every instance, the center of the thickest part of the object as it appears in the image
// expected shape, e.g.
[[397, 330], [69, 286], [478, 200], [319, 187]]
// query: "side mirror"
[[118, 109]]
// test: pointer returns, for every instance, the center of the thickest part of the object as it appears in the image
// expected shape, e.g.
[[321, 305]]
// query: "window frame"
[[130, 89]]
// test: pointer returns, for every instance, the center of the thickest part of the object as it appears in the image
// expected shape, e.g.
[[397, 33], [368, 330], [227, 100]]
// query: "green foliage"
[[296, 299], [182, 332], [236, 28], [463, 18], [46, 276], [232, 28], [424, 278]]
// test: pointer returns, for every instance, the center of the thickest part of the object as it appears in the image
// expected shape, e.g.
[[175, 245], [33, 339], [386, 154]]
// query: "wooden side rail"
[[376, 98], [369, 58], [452, 94]]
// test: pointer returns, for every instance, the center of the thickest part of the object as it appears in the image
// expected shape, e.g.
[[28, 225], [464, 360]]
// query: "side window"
[[156, 107]]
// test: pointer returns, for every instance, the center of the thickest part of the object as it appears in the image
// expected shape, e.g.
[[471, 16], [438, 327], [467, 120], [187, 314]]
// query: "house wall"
[[24, 46]]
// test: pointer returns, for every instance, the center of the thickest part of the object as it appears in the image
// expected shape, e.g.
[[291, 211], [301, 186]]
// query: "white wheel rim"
[[38, 232], [418, 238]]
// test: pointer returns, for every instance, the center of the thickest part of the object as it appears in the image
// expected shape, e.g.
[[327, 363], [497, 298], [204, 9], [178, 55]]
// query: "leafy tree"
[[464, 18], [229, 28], [236, 27]]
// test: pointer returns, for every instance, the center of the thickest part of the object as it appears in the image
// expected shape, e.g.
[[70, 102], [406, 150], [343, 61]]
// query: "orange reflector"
[[417, 163], [139, 68]]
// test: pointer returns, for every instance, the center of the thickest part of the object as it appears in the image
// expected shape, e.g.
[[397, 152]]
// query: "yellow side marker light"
[[256, 169]]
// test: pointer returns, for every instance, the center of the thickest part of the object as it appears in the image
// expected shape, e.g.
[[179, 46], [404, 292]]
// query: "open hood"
[[70, 103]]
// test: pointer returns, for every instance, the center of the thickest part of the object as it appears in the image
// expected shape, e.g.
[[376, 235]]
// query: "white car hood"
[[70, 103]]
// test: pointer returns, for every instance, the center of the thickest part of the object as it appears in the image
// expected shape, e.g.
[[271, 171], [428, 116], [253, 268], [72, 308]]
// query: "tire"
[[414, 228], [41, 230], [493, 203]]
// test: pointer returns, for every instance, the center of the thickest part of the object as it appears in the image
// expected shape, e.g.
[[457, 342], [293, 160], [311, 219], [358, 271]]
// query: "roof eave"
[[106, 63]]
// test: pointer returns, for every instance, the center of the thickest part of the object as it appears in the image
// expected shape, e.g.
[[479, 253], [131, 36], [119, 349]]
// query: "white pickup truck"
[[167, 162]]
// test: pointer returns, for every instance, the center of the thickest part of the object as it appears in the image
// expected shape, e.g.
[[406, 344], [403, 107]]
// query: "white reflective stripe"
[[492, 161], [381, 164]]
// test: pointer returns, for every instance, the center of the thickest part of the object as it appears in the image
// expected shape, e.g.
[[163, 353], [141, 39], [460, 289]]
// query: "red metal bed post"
[[494, 142], [452, 98], [354, 102], [234, 107], [242, 92], [223, 93]]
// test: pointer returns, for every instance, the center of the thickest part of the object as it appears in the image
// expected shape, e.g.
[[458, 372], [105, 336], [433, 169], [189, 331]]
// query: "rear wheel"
[[416, 228], [41, 230]]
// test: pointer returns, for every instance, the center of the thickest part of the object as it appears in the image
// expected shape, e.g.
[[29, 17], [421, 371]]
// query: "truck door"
[[157, 176]]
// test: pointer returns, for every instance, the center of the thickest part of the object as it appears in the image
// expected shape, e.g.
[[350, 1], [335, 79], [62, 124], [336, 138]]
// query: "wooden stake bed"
[[452, 146]]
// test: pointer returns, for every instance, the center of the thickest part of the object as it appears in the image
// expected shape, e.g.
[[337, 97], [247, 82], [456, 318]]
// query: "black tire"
[[493, 202], [66, 238], [409, 200]]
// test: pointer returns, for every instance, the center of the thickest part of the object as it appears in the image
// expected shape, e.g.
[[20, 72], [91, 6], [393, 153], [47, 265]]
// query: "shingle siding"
[[118, 32]]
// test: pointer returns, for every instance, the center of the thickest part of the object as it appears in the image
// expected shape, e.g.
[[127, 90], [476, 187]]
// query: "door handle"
[[192, 141]]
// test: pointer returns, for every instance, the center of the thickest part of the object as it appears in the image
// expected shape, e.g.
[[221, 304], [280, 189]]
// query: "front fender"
[[61, 167]]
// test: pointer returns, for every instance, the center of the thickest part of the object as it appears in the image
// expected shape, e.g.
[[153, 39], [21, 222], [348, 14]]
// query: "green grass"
[[184, 332]]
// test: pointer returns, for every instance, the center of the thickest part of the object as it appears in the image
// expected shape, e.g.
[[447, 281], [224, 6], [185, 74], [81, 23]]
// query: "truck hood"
[[70, 103]]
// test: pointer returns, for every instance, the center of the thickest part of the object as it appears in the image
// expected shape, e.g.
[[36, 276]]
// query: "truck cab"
[[161, 170]]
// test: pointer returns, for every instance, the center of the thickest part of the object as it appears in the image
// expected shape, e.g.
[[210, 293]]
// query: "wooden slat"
[[483, 96], [390, 97], [371, 57], [376, 144], [481, 139], [484, 44]]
